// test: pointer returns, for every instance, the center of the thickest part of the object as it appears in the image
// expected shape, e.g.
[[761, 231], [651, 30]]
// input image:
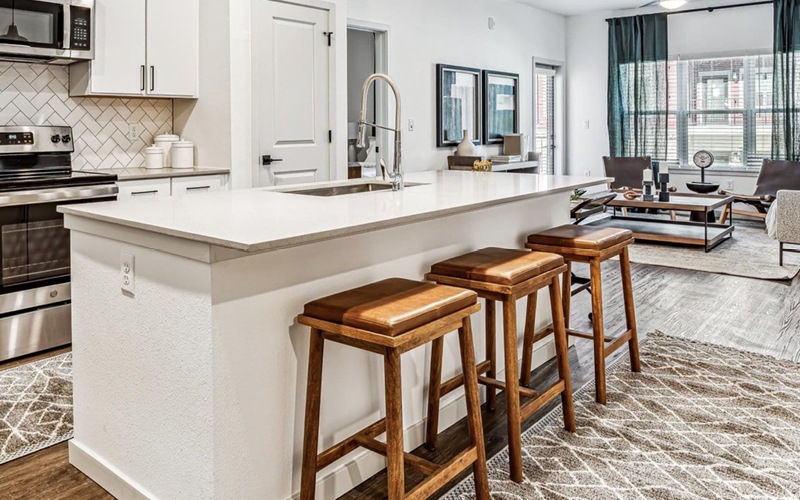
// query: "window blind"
[[723, 105], [545, 118]]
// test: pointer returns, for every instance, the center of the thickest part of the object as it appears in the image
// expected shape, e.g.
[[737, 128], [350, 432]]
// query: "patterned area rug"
[[751, 254], [35, 406], [700, 421]]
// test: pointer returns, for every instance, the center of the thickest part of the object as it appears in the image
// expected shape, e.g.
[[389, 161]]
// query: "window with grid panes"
[[723, 105]]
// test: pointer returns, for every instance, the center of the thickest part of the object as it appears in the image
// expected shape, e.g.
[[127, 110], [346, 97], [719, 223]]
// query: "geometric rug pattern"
[[38, 94], [700, 421], [35, 406]]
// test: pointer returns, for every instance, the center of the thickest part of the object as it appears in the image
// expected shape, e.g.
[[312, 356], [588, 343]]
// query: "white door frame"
[[559, 158], [332, 68], [382, 35]]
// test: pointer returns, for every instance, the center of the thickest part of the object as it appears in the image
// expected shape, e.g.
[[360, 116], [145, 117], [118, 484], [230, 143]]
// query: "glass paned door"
[[545, 126]]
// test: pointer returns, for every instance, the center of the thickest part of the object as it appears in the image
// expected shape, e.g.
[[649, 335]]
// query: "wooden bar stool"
[[498, 274], [389, 318], [592, 245]]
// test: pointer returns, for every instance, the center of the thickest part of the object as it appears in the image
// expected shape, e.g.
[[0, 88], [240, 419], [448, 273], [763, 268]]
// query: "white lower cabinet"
[[196, 185], [148, 188], [175, 186]]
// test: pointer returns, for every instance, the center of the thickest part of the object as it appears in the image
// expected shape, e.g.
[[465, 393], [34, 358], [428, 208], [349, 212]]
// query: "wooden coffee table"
[[705, 234]]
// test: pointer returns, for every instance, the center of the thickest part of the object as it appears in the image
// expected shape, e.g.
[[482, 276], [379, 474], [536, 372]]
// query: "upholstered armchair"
[[788, 220]]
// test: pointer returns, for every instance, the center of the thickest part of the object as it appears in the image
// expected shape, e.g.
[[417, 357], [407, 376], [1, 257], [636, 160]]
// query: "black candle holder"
[[647, 190], [663, 183]]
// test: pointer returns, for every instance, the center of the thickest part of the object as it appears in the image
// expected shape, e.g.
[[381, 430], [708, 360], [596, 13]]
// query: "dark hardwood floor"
[[678, 302]]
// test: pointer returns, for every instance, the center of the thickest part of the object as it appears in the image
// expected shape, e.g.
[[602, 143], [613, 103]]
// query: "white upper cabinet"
[[146, 48], [172, 47]]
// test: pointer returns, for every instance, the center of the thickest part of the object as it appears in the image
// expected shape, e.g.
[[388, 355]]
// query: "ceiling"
[[577, 7]]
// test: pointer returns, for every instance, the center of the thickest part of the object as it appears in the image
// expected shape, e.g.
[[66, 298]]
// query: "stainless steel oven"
[[35, 178], [52, 31]]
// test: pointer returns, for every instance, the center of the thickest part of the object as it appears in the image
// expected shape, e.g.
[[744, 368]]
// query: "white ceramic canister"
[[183, 154], [165, 142], [153, 157]]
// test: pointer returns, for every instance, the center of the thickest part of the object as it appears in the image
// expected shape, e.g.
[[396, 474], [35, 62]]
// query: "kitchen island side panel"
[[260, 353]]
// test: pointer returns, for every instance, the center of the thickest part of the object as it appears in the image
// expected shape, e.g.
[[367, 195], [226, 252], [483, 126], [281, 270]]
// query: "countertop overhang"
[[264, 219]]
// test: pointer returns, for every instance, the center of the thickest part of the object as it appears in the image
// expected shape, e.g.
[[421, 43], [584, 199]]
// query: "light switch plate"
[[127, 273]]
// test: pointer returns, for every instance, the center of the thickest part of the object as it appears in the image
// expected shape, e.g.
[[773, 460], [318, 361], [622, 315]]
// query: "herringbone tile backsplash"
[[38, 94]]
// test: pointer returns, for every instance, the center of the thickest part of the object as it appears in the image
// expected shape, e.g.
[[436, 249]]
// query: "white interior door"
[[291, 89]]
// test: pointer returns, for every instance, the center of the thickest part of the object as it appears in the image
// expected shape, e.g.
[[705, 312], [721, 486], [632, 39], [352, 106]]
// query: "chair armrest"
[[788, 216], [767, 198]]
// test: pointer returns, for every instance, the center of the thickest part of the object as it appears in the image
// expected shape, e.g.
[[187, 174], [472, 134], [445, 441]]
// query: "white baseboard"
[[108, 477], [365, 464]]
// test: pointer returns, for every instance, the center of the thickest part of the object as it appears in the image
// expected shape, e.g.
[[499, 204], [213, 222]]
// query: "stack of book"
[[506, 158]]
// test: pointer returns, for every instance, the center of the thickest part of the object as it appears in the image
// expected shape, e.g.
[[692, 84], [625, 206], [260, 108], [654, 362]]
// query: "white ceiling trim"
[[620, 7]]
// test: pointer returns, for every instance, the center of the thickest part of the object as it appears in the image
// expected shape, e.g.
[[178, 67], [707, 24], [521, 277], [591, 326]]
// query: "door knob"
[[269, 160]]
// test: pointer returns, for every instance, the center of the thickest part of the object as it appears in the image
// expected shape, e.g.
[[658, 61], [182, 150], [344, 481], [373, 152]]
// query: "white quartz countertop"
[[140, 173], [264, 219]]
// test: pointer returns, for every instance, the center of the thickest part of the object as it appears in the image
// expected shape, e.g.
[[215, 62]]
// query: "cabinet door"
[[172, 47], [197, 185], [120, 34], [146, 188]]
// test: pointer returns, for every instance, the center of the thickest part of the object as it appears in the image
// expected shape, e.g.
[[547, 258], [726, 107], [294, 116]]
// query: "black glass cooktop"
[[42, 171]]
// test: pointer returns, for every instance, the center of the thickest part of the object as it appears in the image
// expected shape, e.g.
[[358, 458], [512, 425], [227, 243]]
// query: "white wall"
[[422, 34], [745, 28]]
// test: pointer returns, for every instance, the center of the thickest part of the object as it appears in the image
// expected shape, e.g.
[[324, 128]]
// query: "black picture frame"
[[491, 136], [447, 134]]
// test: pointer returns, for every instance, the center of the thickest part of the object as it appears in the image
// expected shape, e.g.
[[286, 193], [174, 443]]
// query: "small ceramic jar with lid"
[[153, 157], [183, 154], [165, 142]]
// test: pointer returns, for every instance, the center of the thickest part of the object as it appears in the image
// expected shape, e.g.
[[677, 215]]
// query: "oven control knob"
[[66, 139], [56, 139]]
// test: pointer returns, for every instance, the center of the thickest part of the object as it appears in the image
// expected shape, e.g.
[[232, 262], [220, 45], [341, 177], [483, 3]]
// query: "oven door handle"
[[55, 195]]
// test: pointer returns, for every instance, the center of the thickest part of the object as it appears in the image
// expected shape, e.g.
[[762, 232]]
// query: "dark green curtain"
[[637, 86], [786, 90]]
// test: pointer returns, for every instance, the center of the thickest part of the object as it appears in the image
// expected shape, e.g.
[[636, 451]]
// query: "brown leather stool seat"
[[391, 317], [498, 265], [592, 245], [504, 275], [583, 237], [391, 307]]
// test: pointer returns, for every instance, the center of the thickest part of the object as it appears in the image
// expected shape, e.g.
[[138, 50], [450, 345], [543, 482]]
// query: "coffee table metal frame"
[[684, 202]]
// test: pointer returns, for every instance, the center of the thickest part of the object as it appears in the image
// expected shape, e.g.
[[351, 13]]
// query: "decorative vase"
[[466, 147]]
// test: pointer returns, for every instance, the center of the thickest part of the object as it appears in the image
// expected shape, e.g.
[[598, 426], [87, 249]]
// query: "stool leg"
[[308, 478], [562, 356], [512, 389], [491, 352], [599, 335], [527, 344], [566, 294], [434, 393], [473, 409], [630, 312], [394, 426]]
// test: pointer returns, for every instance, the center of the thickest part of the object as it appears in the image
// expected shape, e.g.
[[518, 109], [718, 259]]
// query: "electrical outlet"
[[587, 124], [588, 173], [411, 125], [729, 184], [134, 131], [128, 273]]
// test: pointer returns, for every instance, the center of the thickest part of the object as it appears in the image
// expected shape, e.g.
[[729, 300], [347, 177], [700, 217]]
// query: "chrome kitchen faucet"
[[396, 176]]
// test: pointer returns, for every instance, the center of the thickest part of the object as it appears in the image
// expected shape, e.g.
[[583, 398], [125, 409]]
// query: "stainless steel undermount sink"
[[367, 187]]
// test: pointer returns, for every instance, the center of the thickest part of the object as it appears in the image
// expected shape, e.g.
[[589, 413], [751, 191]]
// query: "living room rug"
[[35, 406], [700, 421], [751, 254]]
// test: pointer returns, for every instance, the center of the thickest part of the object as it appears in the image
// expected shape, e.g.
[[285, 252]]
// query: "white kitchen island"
[[193, 386]]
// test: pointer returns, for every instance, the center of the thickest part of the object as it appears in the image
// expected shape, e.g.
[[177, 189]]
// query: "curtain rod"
[[712, 9]]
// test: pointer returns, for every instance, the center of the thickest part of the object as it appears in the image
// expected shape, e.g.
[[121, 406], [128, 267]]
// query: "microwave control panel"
[[81, 28]]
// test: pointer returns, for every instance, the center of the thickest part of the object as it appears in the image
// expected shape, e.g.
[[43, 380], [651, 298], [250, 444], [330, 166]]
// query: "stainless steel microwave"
[[47, 31]]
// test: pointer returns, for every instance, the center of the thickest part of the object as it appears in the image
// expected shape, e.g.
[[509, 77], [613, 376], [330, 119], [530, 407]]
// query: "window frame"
[[750, 112]]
